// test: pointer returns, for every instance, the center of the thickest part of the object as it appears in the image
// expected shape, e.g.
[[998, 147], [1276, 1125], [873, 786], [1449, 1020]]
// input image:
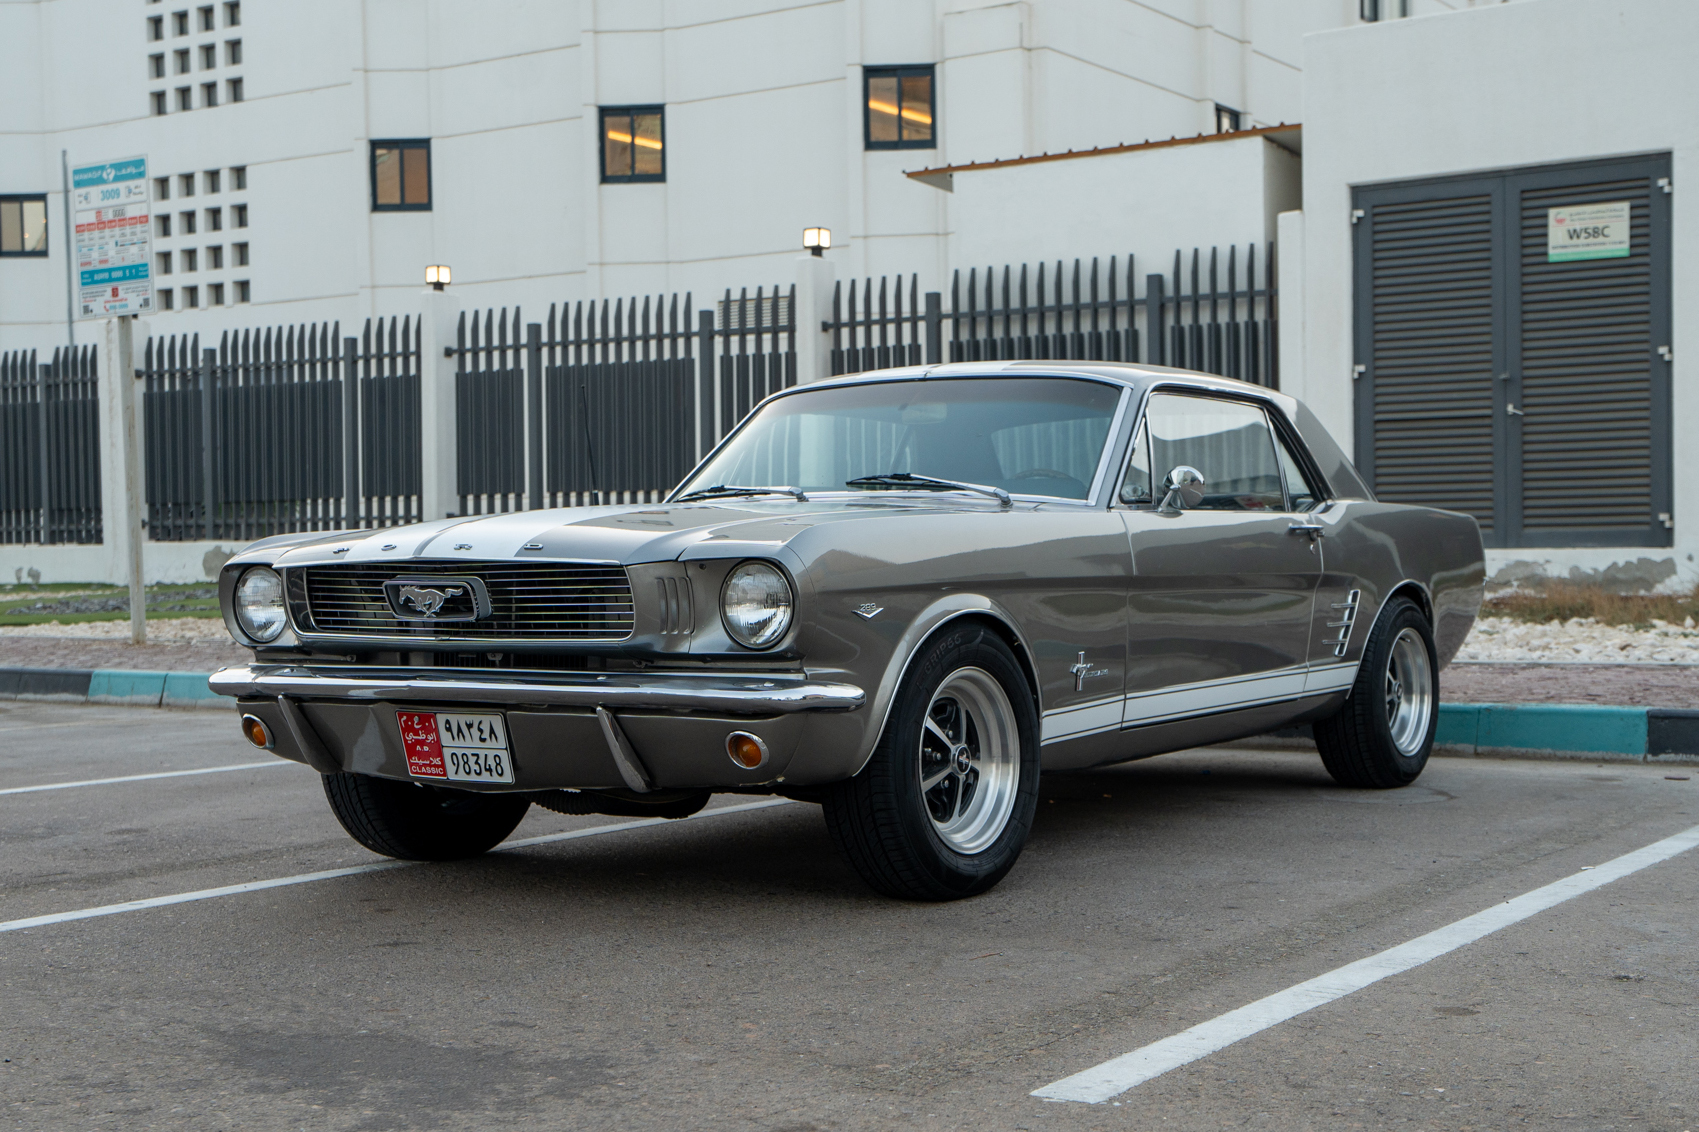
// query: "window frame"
[[400, 145], [898, 71], [1228, 120], [631, 111], [20, 199]]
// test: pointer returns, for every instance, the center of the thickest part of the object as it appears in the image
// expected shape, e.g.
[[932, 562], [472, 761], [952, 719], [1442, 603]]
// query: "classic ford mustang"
[[899, 595]]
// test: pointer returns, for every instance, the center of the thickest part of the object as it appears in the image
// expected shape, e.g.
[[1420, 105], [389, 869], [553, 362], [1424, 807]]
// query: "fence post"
[[209, 490], [1156, 319], [934, 328], [707, 401], [439, 455], [534, 415], [44, 533], [814, 279], [350, 432]]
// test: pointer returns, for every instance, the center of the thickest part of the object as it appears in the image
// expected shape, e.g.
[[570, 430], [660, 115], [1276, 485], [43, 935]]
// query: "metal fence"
[[611, 400], [49, 447], [281, 430], [1219, 317]]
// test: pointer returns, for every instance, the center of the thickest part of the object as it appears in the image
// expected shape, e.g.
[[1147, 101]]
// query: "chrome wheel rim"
[[1409, 692], [969, 760]]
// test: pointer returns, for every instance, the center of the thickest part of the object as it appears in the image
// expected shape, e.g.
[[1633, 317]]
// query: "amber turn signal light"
[[257, 732], [746, 750]]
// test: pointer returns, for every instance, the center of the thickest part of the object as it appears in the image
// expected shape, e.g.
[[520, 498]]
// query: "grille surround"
[[529, 601]]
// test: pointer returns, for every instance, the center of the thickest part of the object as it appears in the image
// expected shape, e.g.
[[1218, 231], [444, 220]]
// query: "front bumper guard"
[[753, 694]]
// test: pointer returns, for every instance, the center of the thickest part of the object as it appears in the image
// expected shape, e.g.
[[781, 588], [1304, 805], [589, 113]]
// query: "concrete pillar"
[[815, 277], [1289, 252], [439, 494], [122, 490]]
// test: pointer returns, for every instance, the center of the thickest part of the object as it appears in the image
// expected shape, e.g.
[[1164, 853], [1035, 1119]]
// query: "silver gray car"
[[898, 595]]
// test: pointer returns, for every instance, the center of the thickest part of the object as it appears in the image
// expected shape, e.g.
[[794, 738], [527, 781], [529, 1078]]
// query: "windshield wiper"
[[931, 483], [723, 491]]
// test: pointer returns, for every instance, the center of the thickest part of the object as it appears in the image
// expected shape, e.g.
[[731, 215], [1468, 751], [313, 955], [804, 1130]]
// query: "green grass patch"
[[72, 603]]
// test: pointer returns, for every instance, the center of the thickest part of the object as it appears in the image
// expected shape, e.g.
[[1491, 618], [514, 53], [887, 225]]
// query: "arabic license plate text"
[[453, 746]]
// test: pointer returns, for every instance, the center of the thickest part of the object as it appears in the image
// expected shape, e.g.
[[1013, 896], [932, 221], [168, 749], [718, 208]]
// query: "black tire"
[[1358, 743], [416, 822], [888, 827]]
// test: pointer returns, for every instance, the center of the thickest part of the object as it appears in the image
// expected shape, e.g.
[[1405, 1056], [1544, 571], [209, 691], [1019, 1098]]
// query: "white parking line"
[[143, 777], [1114, 1077], [356, 870]]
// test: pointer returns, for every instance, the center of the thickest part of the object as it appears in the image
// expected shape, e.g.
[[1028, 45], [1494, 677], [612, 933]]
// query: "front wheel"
[[1382, 736], [943, 808], [416, 822]]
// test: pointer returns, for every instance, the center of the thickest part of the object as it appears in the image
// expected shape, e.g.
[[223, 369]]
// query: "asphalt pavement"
[[730, 972]]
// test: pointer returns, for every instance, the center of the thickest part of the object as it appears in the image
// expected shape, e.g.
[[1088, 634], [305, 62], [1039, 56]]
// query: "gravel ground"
[[1621, 685], [1500, 638]]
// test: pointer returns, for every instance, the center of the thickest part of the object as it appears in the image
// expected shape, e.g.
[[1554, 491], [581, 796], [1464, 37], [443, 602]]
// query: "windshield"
[[1028, 436]]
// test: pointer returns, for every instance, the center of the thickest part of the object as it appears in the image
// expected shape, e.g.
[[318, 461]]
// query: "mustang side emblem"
[[1083, 672], [423, 598], [869, 610]]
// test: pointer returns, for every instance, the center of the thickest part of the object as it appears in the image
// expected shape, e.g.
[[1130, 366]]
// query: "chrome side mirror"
[[1184, 487]]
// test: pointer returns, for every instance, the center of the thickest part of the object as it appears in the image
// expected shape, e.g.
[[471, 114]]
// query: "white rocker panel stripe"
[[1081, 719]]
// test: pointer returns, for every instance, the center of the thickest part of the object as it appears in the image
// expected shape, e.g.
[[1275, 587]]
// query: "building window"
[[156, 66], [215, 257], [23, 225], [1226, 119], [162, 188], [241, 290], [211, 179], [240, 252], [633, 144], [186, 225], [207, 23], [232, 13], [180, 61], [191, 298], [167, 300], [1373, 11], [899, 107], [158, 100], [232, 52], [155, 28], [179, 23], [190, 261], [185, 98], [238, 176], [240, 214], [215, 294], [401, 175], [185, 184], [209, 94], [235, 90], [164, 259], [163, 220], [215, 220]]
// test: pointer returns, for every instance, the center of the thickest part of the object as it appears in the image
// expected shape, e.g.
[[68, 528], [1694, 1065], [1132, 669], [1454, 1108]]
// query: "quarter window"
[[1227, 441], [23, 225], [633, 144], [899, 107], [401, 175], [1300, 495]]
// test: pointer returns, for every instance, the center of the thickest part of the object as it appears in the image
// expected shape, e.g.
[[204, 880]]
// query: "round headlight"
[[756, 605], [259, 604]]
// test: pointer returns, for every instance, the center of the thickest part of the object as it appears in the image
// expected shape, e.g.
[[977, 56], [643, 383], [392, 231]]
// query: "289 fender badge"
[[869, 610]]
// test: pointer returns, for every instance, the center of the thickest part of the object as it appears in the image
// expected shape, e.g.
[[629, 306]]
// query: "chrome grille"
[[529, 601]]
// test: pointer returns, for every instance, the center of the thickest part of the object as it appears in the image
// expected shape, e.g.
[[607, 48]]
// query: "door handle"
[[1315, 531], [1512, 410]]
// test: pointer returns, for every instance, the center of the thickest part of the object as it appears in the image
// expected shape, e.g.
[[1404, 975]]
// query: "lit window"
[[238, 176], [1226, 119], [23, 225], [156, 66], [900, 108], [164, 263], [241, 290], [235, 90], [633, 143], [401, 175], [232, 52]]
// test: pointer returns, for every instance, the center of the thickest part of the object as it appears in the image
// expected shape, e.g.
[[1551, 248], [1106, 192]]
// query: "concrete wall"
[[1492, 88]]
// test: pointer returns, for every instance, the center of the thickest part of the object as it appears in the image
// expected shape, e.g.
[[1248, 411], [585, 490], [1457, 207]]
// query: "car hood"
[[627, 535]]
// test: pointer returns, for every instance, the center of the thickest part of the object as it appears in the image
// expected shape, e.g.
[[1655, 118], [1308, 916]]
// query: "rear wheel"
[[1382, 736], [416, 822], [943, 808]]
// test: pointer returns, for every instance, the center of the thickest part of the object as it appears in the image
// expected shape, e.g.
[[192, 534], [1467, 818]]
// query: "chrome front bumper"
[[716, 692]]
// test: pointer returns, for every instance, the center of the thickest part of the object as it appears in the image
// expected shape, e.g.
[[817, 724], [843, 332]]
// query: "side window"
[[1135, 488], [1303, 497], [1228, 441]]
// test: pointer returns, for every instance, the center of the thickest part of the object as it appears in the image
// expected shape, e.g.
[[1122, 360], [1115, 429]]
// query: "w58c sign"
[[1587, 231], [113, 244]]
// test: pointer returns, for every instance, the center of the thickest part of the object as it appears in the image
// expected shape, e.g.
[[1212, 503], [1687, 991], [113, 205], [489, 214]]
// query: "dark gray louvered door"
[[1429, 410], [1531, 394], [1584, 452]]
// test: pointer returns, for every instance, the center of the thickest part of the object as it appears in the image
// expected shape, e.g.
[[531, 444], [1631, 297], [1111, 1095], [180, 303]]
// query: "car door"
[[1222, 591]]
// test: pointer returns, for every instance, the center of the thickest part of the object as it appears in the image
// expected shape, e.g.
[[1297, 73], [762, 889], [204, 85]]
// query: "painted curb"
[[1579, 728], [109, 686]]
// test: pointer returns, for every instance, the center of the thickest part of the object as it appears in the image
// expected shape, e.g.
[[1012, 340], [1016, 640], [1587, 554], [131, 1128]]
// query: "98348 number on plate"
[[456, 746]]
